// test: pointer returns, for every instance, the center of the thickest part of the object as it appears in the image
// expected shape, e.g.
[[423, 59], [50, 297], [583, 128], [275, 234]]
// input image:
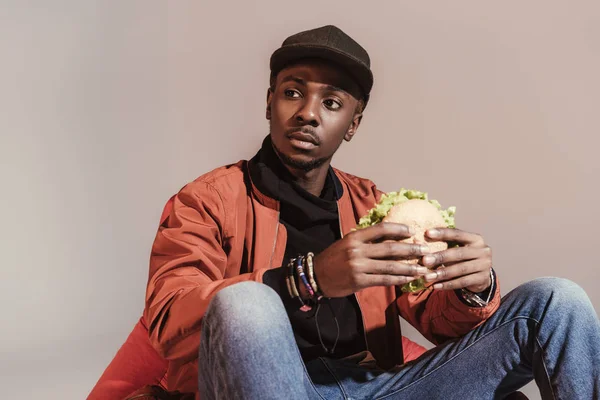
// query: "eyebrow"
[[292, 78]]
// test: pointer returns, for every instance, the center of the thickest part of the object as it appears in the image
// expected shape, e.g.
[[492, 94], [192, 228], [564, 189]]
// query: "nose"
[[308, 113]]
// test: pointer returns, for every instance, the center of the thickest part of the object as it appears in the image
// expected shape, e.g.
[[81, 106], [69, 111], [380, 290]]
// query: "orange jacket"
[[221, 230]]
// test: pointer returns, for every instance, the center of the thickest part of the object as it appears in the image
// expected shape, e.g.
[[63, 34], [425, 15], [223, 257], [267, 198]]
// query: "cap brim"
[[290, 53]]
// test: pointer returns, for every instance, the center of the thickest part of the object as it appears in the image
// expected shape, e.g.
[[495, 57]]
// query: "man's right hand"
[[368, 257]]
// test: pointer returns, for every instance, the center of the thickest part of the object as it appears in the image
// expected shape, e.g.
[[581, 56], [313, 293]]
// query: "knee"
[[563, 292], [244, 304]]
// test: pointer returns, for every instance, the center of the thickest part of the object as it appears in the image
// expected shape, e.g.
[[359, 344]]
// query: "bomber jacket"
[[220, 230]]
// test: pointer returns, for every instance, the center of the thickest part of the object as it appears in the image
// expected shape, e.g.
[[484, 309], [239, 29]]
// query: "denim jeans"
[[545, 329]]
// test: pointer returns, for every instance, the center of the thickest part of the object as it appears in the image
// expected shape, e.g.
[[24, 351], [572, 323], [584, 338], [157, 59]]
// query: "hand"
[[368, 257], [467, 266]]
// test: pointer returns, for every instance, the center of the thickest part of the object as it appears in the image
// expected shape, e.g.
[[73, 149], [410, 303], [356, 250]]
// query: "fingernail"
[[433, 233], [438, 286], [429, 259], [411, 231], [410, 279], [425, 249], [422, 270], [431, 277]]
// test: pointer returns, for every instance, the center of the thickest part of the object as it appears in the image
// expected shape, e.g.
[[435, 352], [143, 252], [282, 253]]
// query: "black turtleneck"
[[312, 224]]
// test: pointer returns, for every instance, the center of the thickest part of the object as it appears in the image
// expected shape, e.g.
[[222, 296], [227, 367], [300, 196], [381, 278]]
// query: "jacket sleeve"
[[441, 315], [187, 268]]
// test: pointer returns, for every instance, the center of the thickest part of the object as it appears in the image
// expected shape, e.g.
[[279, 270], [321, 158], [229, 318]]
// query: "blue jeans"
[[545, 330]]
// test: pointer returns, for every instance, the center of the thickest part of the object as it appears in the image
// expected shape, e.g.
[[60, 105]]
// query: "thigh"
[[489, 362], [488, 366]]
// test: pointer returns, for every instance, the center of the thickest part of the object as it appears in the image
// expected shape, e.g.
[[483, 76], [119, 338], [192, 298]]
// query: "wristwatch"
[[474, 299]]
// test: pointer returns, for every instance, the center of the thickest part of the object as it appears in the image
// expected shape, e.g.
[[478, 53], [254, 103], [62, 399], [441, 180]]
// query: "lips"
[[303, 137]]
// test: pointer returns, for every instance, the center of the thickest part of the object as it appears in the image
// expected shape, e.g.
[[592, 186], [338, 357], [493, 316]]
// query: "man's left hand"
[[467, 266]]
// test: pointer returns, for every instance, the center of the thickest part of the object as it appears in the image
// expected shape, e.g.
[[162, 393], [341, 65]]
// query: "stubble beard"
[[305, 166]]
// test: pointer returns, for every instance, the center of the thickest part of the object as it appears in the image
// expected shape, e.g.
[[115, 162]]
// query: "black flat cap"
[[329, 43]]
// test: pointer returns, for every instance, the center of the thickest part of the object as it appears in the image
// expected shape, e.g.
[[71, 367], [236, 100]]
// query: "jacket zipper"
[[274, 241], [354, 294]]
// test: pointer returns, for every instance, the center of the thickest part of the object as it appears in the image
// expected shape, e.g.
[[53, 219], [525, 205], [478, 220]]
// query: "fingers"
[[478, 282], [390, 273], [395, 250], [383, 231], [387, 280], [456, 254], [475, 273], [383, 267], [456, 235]]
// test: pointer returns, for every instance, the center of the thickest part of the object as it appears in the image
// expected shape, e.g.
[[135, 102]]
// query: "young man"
[[219, 308]]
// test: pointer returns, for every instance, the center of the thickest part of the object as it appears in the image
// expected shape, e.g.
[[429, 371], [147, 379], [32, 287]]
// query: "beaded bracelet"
[[302, 275], [292, 288], [288, 282], [311, 272], [292, 282]]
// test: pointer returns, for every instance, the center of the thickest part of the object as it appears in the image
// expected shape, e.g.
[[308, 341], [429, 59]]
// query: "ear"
[[269, 97], [353, 126]]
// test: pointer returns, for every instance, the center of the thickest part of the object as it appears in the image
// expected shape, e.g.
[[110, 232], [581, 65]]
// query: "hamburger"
[[415, 209]]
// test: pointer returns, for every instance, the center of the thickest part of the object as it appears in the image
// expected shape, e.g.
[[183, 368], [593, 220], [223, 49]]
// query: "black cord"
[[337, 325]]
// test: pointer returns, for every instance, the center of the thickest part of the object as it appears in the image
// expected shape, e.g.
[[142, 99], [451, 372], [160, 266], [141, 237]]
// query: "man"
[[221, 309]]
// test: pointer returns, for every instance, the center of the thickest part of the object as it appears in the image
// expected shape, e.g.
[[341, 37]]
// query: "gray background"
[[108, 108]]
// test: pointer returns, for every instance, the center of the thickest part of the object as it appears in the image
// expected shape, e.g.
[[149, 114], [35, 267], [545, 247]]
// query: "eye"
[[292, 93], [332, 104]]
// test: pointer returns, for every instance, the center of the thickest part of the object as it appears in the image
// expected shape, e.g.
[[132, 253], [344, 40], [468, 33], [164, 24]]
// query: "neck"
[[312, 181]]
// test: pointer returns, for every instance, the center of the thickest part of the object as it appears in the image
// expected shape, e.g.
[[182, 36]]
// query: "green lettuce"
[[387, 201]]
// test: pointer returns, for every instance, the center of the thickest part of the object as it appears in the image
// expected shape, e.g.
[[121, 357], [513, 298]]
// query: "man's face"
[[312, 108]]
